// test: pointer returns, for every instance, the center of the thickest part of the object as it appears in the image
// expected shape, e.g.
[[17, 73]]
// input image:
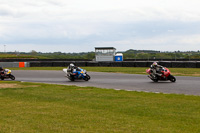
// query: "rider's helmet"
[[155, 64], [71, 65]]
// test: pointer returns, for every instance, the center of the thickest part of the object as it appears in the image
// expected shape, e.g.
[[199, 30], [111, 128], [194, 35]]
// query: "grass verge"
[[129, 70], [33, 107]]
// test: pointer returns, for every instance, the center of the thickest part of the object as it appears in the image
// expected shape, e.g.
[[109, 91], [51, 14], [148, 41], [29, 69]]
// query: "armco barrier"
[[116, 64], [141, 64], [35, 64], [105, 64], [9, 64], [46, 64], [92, 64], [88, 60], [190, 64], [80, 63], [175, 64], [67, 63], [165, 63], [179, 64], [198, 64], [128, 64], [14, 64], [58, 64], [64, 64]]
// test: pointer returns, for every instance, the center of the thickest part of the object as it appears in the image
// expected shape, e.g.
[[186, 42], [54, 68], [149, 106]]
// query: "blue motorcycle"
[[77, 74]]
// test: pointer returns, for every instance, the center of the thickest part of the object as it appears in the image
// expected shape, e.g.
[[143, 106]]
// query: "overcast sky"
[[81, 25]]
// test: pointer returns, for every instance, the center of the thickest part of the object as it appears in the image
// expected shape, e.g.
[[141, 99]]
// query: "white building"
[[105, 53]]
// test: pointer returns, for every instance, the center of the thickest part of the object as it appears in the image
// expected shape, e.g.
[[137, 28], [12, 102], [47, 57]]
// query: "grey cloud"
[[6, 11], [44, 23]]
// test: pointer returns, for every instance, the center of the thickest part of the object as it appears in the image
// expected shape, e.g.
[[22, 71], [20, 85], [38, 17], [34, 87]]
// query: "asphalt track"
[[130, 82]]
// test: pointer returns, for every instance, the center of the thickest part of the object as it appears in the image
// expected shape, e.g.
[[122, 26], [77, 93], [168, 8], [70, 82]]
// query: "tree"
[[33, 52]]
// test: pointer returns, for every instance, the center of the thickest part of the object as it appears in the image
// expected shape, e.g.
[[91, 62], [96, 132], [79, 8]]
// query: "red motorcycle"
[[164, 75]]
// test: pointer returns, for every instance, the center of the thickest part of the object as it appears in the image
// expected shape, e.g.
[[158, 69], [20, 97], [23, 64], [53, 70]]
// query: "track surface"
[[184, 85]]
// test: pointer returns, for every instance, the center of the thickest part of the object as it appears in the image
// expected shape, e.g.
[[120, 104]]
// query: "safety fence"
[[14, 64], [31, 59], [174, 64]]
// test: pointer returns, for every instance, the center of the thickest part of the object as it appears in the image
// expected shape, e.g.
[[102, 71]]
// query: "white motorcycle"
[[76, 74]]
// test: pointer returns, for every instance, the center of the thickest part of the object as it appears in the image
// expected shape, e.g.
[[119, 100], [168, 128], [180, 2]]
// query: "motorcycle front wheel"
[[87, 77], [172, 78], [12, 77]]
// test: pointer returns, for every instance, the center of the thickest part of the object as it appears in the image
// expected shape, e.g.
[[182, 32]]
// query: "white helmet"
[[71, 65], [155, 64]]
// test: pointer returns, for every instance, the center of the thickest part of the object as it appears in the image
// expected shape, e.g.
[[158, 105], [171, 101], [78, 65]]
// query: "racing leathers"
[[156, 70], [72, 69]]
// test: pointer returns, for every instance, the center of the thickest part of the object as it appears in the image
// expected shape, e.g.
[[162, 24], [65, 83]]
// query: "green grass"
[[11, 56], [31, 107], [129, 70]]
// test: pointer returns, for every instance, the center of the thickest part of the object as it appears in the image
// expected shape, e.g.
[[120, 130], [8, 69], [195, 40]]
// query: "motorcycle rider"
[[70, 68], [1, 70], [73, 68], [156, 69]]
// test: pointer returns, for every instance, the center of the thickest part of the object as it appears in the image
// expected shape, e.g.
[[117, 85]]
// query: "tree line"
[[129, 54]]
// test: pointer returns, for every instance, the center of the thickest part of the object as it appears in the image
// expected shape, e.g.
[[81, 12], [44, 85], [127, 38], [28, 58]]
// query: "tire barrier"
[[34, 64], [87, 60], [178, 64], [174, 64], [166, 64], [128, 64], [190, 64], [161, 59], [58, 64], [81, 63], [116, 64], [198, 64], [46, 64], [105, 64], [141, 64], [92, 64], [183, 64]]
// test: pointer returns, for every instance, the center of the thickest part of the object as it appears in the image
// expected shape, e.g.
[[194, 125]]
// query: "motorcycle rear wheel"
[[155, 80], [71, 78]]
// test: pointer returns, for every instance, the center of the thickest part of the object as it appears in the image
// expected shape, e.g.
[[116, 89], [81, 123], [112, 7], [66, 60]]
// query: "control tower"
[[105, 53]]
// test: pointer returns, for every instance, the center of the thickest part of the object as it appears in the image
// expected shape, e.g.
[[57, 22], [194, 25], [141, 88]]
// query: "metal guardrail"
[[14, 64], [176, 64]]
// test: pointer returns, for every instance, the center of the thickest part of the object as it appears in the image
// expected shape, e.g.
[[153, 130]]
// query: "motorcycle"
[[164, 76], [76, 74], [7, 75]]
